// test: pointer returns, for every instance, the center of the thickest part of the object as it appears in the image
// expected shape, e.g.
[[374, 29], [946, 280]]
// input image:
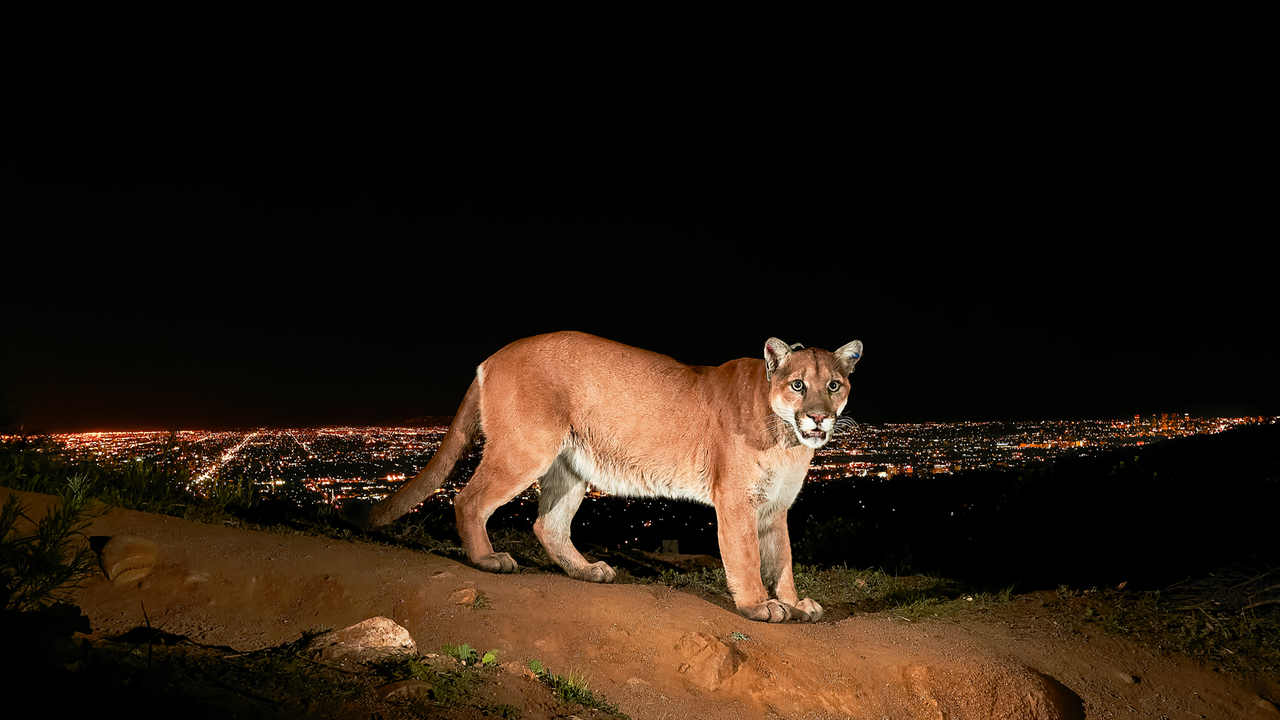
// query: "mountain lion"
[[569, 410]]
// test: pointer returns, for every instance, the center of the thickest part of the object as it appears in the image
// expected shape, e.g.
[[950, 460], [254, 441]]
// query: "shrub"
[[37, 568]]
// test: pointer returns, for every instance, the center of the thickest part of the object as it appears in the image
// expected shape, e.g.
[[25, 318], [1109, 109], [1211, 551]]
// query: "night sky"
[[312, 224]]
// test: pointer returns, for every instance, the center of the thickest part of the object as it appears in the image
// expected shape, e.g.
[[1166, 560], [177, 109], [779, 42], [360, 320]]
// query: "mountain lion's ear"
[[775, 353], [848, 355]]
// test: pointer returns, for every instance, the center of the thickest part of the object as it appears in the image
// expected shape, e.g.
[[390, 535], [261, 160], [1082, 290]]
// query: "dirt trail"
[[656, 652]]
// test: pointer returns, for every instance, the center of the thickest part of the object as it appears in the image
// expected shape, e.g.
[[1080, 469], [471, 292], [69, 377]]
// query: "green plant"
[[574, 688], [467, 655], [38, 567], [447, 688]]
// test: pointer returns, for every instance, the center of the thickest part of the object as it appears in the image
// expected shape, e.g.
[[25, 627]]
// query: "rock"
[[1267, 706], [127, 559], [439, 663], [465, 596], [374, 640], [708, 662]]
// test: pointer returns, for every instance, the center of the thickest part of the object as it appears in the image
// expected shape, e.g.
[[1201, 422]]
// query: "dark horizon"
[[278, 428], [1003, 344], [995, 347], [61, 396]]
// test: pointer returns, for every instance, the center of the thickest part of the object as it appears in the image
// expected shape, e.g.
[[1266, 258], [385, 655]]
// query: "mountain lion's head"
[[808, 388]]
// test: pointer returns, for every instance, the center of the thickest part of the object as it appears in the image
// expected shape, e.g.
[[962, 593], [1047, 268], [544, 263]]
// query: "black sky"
[[311, 224]]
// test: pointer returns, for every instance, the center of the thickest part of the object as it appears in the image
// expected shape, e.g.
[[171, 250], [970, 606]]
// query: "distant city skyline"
[[340, 463]]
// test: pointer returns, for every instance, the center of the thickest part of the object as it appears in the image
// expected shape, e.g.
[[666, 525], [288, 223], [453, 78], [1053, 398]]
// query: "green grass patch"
[[1230, 618], [447, 688], [904, 596], [706, 580], [851, 590], [287, 671], [574, 688]]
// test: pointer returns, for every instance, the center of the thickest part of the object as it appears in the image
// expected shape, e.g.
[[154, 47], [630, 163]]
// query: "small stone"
[[405, 690], [1267, 706], [465, 596], [373, 640], [1128, 678]]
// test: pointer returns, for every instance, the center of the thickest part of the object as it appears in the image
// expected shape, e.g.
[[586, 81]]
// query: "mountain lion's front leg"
[[775, 567], [740, 550]]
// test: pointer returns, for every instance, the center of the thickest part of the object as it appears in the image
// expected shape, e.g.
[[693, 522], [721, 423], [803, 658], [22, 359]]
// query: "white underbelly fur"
[[777, 489], [625, 480]]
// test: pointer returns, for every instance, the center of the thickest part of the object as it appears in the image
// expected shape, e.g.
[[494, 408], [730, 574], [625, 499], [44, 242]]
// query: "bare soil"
[[653, 651]]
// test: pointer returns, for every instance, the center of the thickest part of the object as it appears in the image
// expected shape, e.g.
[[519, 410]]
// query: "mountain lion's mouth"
[[819, 434]]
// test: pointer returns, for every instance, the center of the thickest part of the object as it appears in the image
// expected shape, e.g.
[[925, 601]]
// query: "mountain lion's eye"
[[797, 385], [834, 386]]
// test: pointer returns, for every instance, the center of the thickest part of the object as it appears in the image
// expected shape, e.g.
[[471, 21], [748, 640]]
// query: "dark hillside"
[[1150, 516]]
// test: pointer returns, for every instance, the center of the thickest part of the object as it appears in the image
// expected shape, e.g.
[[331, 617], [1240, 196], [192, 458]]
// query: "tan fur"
[[569, 409]]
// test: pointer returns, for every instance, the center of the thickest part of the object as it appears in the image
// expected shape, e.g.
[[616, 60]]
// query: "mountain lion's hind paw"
[[598, 572], [498, 563]]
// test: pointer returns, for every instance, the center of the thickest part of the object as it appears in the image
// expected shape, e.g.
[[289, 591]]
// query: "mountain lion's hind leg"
[[498, 479], [562, 490]]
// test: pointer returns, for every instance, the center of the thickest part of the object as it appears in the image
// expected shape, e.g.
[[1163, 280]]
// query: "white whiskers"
[[774, 421], [844, 422]]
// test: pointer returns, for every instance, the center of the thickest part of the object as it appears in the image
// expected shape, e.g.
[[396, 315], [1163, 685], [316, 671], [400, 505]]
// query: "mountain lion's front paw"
[[807, 611], [768, 611]]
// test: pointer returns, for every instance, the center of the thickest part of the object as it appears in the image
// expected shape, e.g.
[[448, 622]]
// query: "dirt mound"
[[654, 651]]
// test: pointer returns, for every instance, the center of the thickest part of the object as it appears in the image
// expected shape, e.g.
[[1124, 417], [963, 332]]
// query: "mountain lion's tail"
[[461, 437]]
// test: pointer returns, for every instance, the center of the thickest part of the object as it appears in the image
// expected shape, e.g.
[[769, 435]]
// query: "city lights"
[[334, 463], [933, 448]]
